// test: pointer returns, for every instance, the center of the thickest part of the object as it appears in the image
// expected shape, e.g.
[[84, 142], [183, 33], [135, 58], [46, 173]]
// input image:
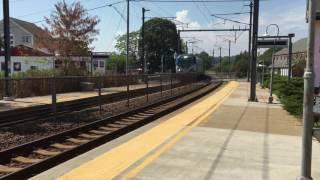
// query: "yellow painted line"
[[134, 172], [117, 160]]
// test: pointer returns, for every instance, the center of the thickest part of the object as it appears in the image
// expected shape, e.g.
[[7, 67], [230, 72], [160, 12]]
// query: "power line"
[[201, 12], [191, 1], [231, 20], [91, 9], [235, 13]]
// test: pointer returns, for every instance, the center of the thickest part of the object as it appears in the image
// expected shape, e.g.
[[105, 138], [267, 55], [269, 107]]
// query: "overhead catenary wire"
[[91, 9], [192, 1], [231, 20]]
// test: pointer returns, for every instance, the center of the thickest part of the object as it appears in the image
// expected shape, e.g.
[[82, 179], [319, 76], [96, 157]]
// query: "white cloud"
[[182, 16]]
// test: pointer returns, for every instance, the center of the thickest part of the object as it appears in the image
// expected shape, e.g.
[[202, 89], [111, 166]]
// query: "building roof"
[[22, 50], [31, 27], [297, 47]]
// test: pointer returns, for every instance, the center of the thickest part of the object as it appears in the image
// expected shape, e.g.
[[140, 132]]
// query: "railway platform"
[[64, 97], [221, 136]]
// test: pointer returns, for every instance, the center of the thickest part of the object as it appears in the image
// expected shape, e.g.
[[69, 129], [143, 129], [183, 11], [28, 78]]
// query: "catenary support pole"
[[229, 59], [186, 47], [127, 55], [7, 58], [143, 58], [179, 43], [250, 43], [255, 29], [220, 61], [308, 98]]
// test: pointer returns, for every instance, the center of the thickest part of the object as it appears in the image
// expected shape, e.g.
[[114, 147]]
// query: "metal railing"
[[98, 87]]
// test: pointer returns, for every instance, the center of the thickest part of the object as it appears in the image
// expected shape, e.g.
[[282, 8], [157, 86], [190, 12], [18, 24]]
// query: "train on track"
[[189, 63]]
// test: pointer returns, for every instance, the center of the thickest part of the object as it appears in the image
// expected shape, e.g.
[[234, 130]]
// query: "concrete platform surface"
[[220, 137]]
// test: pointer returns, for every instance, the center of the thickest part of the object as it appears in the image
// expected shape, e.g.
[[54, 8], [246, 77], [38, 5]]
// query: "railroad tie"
[[62, 146], [26, 160], [7, 169], [124, 123], [145, 114], [133, 118], [89, 136], [77, 141], [99, 132], [108, 128], [152, 112], [129, 120], [44, 152], [140, 116], [116, 125]]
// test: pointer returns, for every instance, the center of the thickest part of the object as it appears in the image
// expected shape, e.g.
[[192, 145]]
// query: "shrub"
[[289, 93]]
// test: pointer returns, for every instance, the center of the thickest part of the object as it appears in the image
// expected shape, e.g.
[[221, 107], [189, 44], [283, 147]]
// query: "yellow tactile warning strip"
[[117, 160]]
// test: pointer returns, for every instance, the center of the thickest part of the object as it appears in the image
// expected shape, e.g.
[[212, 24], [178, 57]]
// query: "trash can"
[[86, 86]]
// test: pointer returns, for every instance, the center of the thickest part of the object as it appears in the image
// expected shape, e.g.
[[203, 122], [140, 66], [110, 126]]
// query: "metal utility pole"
[[255, 29], [308, 120], [290, 57], [213, 57], [91, 61], [220, 65], [186, 47], [250, 42], [128, 29], [7, 61], [229, 58], [143, 59], [179, 43], [270, 99]]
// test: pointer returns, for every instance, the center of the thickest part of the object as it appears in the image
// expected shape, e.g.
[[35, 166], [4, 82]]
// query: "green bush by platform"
[[289, 93]]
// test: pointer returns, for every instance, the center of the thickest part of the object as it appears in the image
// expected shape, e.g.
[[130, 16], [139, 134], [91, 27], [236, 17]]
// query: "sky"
[[288, 14]]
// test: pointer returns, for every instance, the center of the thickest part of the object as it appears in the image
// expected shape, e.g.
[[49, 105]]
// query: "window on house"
[[3, 67], [11, 39], [33, 67], [26, 39], [101, 64], [17, 66]]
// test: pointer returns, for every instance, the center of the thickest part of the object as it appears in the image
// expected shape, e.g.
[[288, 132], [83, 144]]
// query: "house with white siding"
[[299, 56]]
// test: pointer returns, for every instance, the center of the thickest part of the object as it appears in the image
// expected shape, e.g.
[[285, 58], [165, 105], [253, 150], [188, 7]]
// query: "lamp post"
[[272, 69]]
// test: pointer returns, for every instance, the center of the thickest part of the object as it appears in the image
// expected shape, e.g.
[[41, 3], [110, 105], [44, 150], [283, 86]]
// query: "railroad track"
[[12, 117], [29, 159]]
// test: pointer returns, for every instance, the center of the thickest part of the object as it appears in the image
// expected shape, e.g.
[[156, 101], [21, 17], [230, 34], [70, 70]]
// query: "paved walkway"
[[221, 137]]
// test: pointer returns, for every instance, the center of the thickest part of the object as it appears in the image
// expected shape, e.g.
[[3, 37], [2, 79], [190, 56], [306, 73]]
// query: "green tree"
[[121, 43], [117, 63], [207, 60], [121, 46], [160, 43], [240, 64]]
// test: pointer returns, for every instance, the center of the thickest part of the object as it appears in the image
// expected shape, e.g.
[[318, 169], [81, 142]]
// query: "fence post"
[[128, 98], [99, 93], [147, 87], [161, 84], [171, 84], [53, 97]]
